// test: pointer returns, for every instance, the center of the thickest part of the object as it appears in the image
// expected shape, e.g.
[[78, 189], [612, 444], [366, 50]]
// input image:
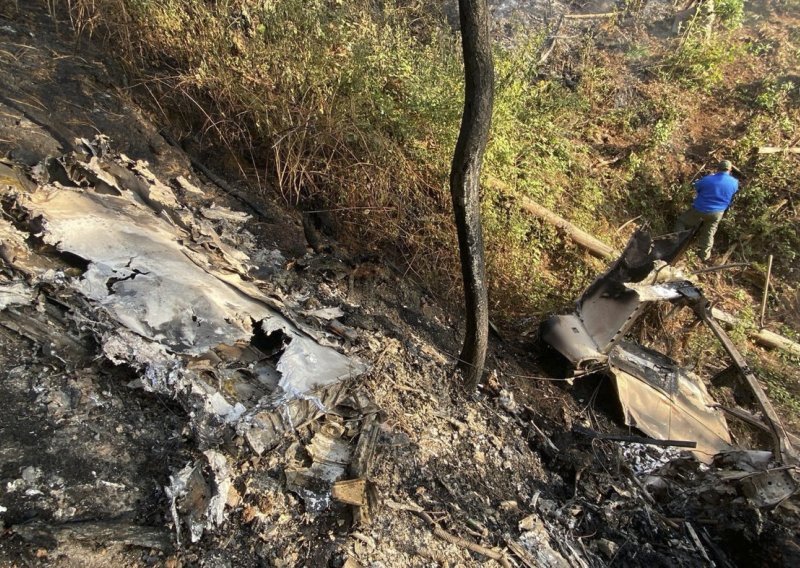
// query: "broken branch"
[[699, 545], [464, 543], [720, 267], [452, 539], [766, 293], [591, 16]]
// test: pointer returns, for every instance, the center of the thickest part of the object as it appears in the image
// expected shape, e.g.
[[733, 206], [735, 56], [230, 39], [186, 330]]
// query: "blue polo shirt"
[[714, 192]]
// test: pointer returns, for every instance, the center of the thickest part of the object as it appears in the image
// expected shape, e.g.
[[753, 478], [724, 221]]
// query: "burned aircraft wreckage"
[[657, 396], [159, 291]]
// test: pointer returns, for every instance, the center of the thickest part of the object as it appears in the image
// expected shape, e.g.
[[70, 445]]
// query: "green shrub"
[[699, 64], [730, 12]]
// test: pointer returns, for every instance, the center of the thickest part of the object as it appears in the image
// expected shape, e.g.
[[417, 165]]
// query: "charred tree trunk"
[[465, 182]]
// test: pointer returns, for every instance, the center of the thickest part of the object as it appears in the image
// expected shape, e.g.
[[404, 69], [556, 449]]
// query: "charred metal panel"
[[657, 396], [667, 402], [568, 336], [613, 302]]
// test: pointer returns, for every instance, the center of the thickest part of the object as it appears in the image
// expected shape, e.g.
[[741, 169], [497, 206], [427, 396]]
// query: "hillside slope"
[[114, 456]]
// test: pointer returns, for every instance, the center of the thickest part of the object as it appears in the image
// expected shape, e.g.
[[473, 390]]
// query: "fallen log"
[[594, 246], [599, 249], [779, 150], [763, 337], [103, 533]]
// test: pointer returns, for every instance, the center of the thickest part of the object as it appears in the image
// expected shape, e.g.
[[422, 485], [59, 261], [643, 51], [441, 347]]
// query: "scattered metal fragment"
[[189, 497], [161, 291], [657, 396], [665, 401], [215, 213], [188, 186], [144, 271], [770, 488]]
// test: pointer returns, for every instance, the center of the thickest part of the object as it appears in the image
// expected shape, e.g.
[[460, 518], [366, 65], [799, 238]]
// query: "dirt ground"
[[89, 460]]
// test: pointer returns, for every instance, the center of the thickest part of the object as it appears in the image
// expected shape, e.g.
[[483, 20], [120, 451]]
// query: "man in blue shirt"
[[714, 195]]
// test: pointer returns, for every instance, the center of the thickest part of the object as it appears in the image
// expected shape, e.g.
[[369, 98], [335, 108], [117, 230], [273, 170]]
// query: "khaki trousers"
[[708, 227]]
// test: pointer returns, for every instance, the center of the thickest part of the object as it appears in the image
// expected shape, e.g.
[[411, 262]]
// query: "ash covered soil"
[[109, 459]]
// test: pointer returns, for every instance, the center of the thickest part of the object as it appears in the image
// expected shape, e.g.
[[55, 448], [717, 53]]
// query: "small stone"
[[31, 474], [508, 506], [607, 548], [528, 523]]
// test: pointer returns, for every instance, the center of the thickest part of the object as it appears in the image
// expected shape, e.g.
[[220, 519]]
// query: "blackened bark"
[[465, 182]]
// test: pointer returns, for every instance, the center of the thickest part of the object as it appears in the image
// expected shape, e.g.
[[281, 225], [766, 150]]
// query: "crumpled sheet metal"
[[303, 360], [666, 402], [142, 272], [612, 304], [163, 272], [264, 426], [14, 251], [197, 502], [188, 493], [567, 335], [657, 396]]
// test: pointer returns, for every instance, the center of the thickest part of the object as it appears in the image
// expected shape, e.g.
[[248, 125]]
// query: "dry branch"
[[444, 535], [550, 43], [594, 16], [242, 196], [458, 541]]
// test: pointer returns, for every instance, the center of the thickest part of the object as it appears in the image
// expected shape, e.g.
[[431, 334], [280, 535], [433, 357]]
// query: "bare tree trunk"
[[465, 182]]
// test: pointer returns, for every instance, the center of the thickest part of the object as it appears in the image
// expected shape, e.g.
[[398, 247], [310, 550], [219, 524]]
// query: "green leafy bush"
[[730, 12]]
